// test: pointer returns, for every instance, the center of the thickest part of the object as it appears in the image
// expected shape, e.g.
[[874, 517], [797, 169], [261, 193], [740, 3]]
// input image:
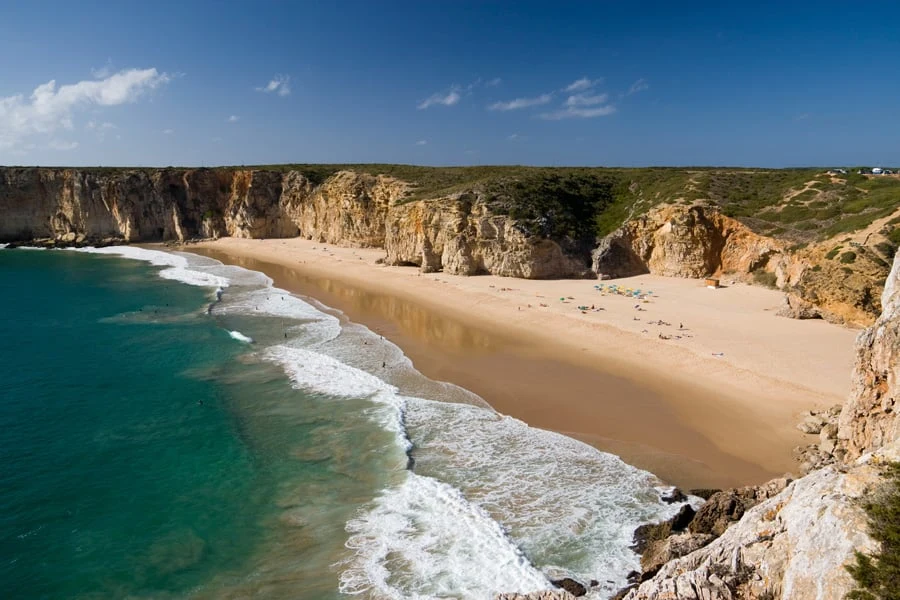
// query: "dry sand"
[[713, 405]]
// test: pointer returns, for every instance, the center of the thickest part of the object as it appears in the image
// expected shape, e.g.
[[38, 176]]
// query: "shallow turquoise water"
[[139, 455]]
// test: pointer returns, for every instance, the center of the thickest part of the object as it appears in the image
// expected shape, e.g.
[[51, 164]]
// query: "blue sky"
[[450, 83]]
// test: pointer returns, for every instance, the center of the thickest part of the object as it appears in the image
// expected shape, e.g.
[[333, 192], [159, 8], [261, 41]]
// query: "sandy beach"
[[702, 387]]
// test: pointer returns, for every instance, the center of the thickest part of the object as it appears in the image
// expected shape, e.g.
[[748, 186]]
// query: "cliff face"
[[460, 235], [795, 545], [697, 241], [681, 241], [457, 234], [869, 419]]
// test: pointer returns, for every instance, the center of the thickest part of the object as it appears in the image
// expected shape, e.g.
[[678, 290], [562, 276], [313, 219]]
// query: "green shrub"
[[848, 257], [765, 278], [833, 252], [877, 576]]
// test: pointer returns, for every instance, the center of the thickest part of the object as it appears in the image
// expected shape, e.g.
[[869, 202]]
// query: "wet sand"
[[689, 435]]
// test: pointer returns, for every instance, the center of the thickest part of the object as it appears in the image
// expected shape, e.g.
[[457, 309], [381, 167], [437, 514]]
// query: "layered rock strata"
[[457, 234]]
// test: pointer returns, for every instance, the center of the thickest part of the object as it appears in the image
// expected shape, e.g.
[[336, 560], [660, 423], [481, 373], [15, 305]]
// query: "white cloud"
[[515, 137], [233, 119], [638, 86], [494, 82], [521, 103], [421, 142], [49, 108], [448, 98], [94, 126], [61, 145], [579, 85], [586, 100], [279, 84], [104, 71], [168, 131], [574, 112]]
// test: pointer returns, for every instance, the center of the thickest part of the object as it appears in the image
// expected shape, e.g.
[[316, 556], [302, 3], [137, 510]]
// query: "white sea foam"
[[177, 267], [317, 326], [570, 507], [3, 245], [240, 337], [423, 539], [321, 374]]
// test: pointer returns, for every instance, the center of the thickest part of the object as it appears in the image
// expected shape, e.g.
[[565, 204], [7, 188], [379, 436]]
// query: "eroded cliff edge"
[[461, 233]]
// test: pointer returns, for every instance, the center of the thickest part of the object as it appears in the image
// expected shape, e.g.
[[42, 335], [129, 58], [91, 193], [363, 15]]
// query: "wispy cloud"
[[62, 145], [421, 142], [638, 86], [233, 119], [49, 109], [519, 103], [168, 131], [279, 84], [801, 117], [586, 100], [493, 82], [571, 112], [448, 98], [579, 85], [515, 137]]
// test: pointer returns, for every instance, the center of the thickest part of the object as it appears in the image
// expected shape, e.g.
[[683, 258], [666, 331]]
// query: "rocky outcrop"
[[698, 241], [460, 235], [821, 286], [457, 234], [684, 241], [793, 545], [869, 418]]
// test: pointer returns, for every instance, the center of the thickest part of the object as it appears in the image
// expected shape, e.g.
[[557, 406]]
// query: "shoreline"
[[667, 406]]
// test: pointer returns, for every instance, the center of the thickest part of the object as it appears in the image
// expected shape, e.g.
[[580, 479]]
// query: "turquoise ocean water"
[[171, 427]]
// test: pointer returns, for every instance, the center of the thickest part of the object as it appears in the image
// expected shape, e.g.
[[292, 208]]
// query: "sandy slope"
[[731, 372]]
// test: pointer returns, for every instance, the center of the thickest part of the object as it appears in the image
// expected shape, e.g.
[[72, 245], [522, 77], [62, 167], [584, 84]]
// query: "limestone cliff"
[[699, 241], [458, 234], [870, 418], [684, 241], [795, 544]]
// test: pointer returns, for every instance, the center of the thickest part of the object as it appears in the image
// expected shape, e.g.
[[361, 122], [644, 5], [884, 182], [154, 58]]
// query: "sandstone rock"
[[792, 546], [869, 419], [795, 307], [719, 512], [680, 241], [660, 552], [828, 432], [570, 585], [544, 595], [672, 496], [812, 424], [684, 517]]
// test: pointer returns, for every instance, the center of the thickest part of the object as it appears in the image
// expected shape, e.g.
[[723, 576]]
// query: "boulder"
[[570, 585], [660, 552]]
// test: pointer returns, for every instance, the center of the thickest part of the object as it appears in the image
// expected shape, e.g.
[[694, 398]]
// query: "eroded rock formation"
[[684, 241], [869, 418], [795, 545], [457, 234]]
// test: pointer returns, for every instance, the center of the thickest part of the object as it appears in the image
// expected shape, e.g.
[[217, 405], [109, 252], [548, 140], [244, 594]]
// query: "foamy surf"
[[176, 266], [423, 539], [237, 335]]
